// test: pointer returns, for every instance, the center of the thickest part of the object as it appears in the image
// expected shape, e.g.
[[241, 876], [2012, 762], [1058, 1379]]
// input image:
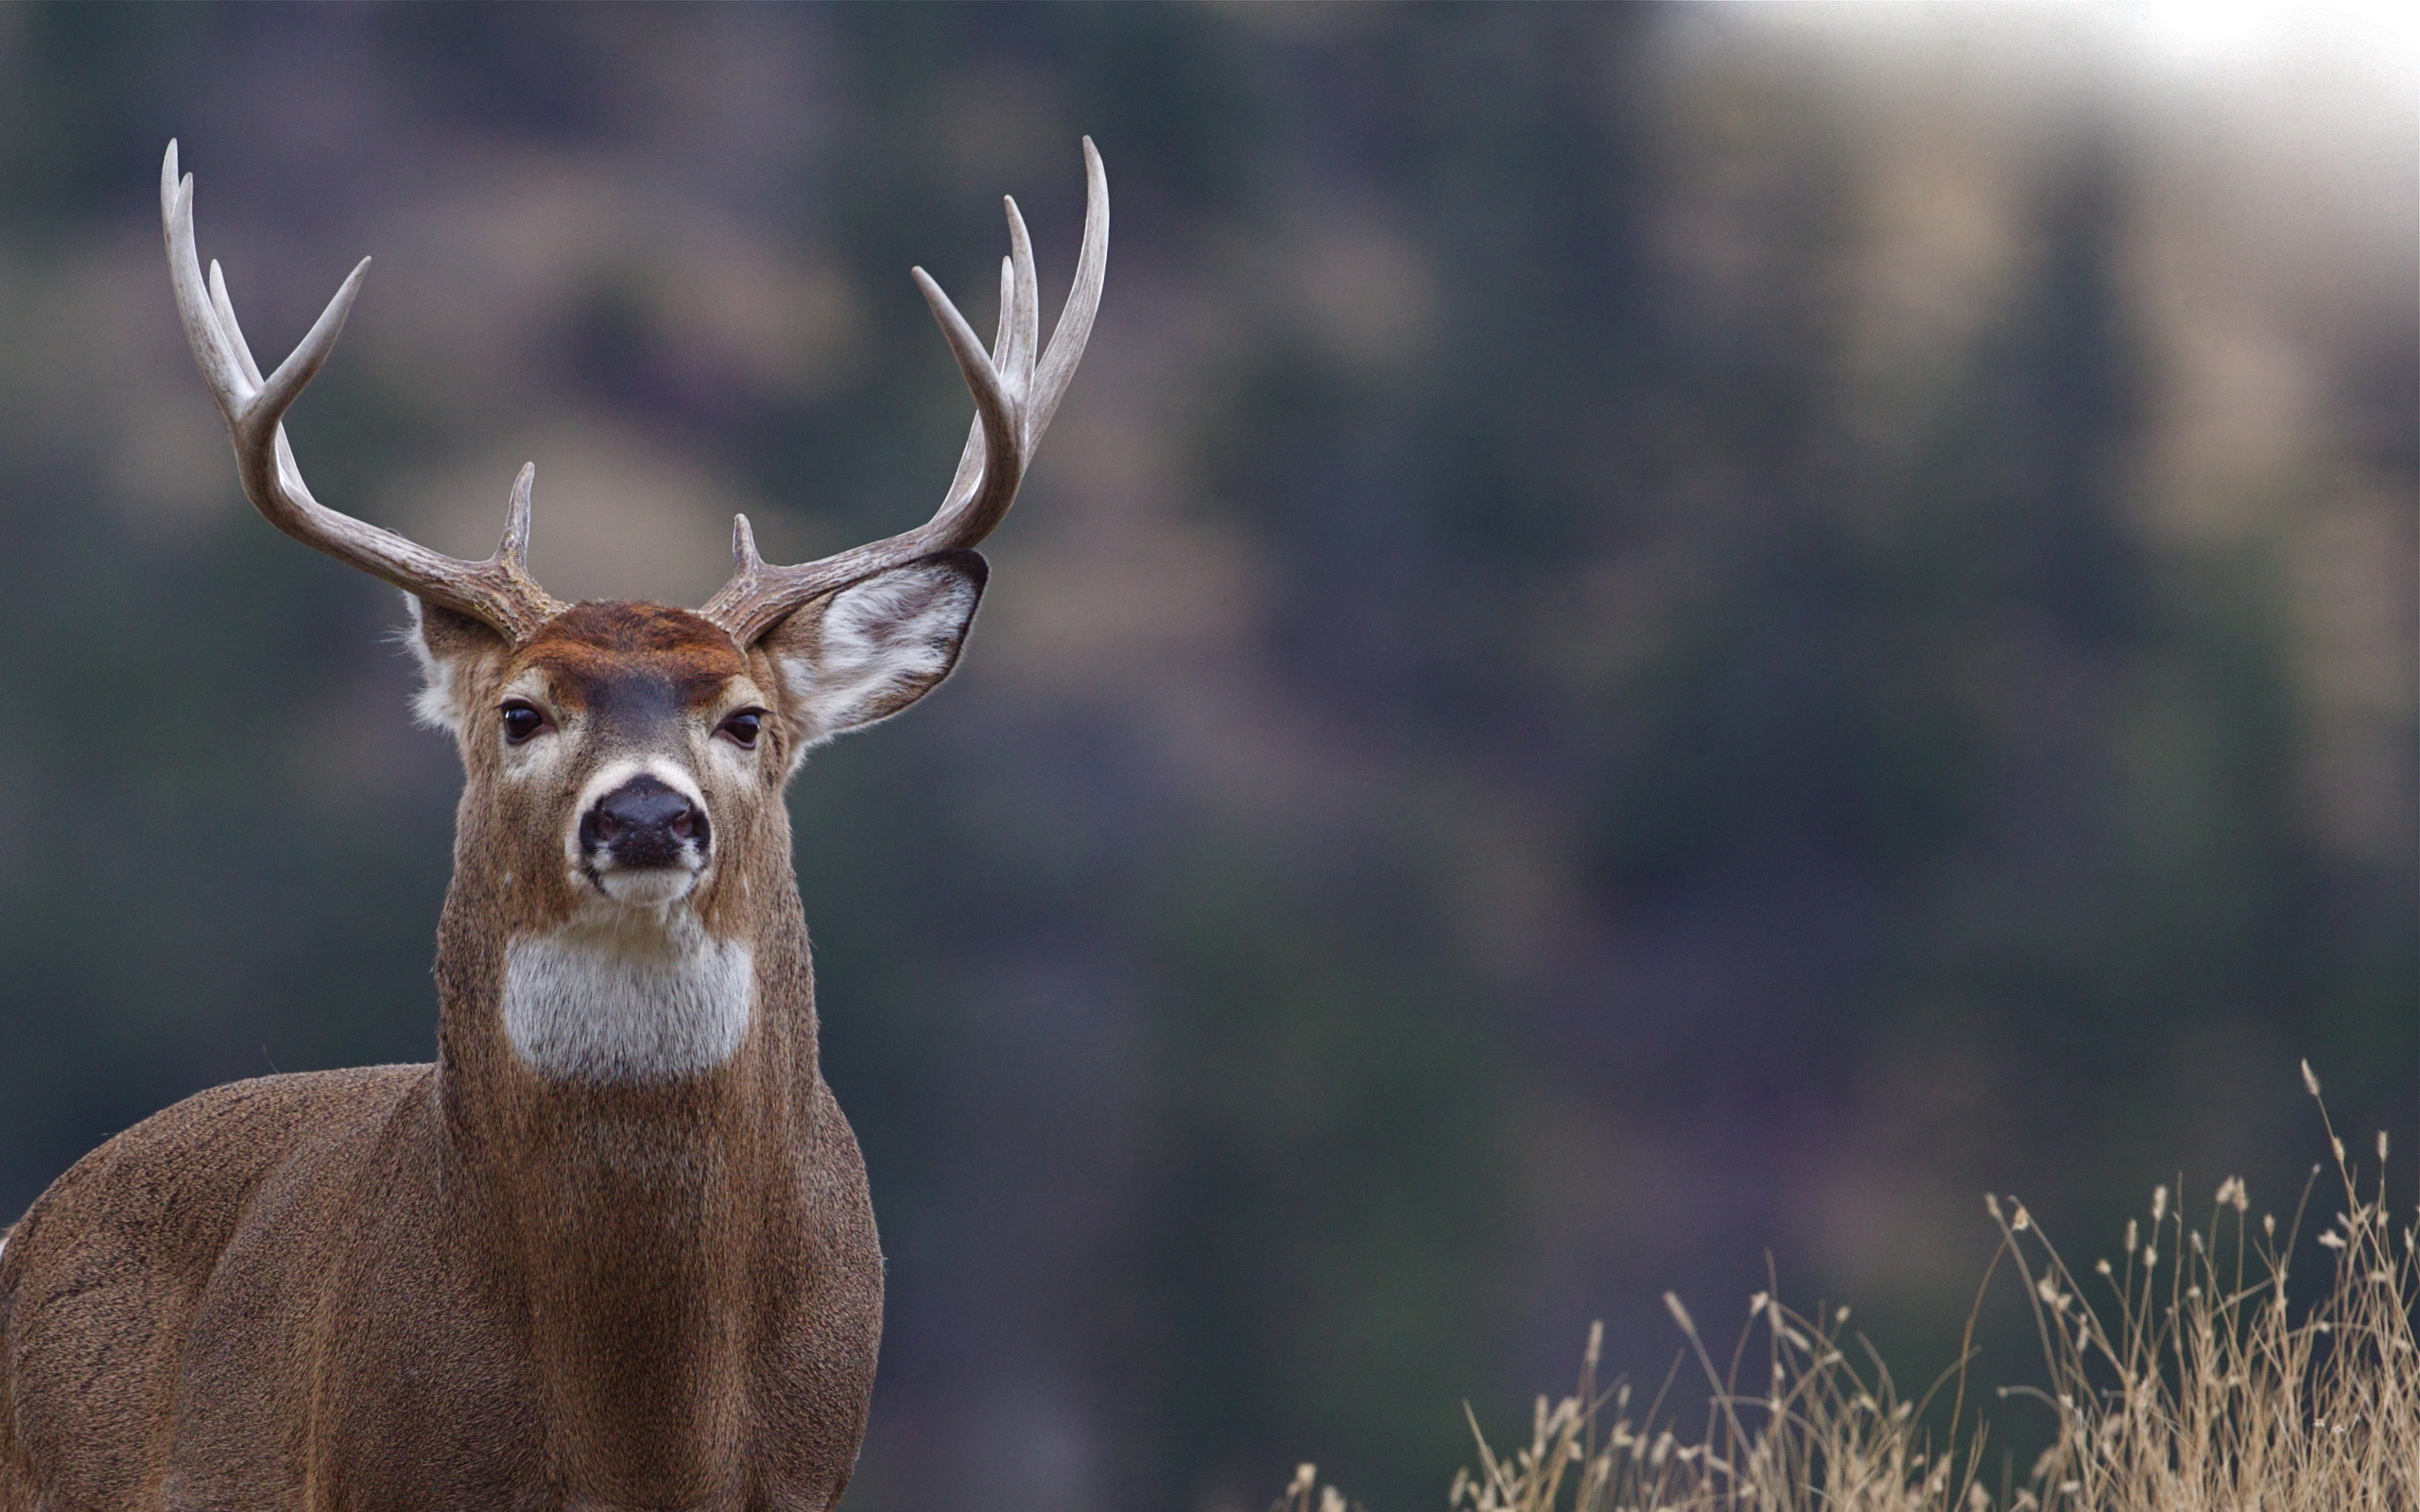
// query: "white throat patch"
[[620, 1006]]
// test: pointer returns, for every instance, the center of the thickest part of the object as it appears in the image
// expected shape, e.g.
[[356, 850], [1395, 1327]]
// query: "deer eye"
[[741, 727], [522, 720]]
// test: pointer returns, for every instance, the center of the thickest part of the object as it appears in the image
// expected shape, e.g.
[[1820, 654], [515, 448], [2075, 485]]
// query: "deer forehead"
[[631, 663]]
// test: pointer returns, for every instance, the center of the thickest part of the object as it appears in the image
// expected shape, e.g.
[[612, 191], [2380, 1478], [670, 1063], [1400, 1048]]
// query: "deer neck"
[[561, 1029], [548, 1009], [626, 1106]]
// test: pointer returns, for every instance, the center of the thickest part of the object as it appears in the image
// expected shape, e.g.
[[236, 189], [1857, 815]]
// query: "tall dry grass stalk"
[[2181, 1379]]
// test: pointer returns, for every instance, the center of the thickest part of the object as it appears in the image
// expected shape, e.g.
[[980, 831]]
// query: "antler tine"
[[203, 333], [498, 590], [514, 547], [227, 323], [1075, 327], [1018, 337], [1016, 390], [970, 458], [1022, 297], [963, 520]]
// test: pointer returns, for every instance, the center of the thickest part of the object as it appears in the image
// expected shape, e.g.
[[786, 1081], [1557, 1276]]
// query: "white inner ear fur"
[[433, 706], [873, 649], [438, 704]]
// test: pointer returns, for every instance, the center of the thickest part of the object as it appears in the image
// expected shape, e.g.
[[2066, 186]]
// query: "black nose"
[[644, 823]]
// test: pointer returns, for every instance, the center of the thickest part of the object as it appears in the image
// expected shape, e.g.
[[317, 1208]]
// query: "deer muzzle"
[[645, 841]]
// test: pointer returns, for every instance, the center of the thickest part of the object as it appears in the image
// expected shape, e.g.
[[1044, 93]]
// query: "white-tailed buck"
[[614, 1249]]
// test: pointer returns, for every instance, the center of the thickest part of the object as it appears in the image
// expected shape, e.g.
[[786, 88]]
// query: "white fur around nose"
[[623, 1005]]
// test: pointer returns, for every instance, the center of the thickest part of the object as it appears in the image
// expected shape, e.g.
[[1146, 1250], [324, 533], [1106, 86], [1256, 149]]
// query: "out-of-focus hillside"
[[1653, 635]]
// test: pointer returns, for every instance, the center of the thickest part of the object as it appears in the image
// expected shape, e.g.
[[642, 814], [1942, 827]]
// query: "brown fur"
[[464, 1285]]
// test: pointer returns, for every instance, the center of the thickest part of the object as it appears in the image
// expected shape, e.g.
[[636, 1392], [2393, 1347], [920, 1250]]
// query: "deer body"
[[615, 1249]]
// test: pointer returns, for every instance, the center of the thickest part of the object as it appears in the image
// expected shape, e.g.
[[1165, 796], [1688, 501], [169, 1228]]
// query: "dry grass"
[[2180, 1377]]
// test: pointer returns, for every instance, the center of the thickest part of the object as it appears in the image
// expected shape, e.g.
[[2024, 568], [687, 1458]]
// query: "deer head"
[[625, 762]]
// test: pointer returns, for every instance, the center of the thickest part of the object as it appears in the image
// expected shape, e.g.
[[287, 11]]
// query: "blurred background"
[[1656, 641]]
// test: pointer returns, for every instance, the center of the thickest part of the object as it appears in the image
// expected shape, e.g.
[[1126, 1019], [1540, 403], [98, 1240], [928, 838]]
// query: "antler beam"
[[498, 592], [1016, 392]]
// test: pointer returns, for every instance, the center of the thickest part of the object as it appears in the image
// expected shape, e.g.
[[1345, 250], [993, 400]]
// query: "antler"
[[499, 591], [1015, 395]]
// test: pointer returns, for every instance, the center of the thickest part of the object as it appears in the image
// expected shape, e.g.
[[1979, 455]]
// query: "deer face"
[[602, 752], [623, 803], [627, 759]]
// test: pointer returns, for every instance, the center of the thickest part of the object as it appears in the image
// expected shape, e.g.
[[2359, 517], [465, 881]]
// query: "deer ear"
[[870, 650], [443, 642]]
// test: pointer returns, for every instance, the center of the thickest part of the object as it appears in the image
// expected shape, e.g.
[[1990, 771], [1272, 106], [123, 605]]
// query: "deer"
[[613, 1248]]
